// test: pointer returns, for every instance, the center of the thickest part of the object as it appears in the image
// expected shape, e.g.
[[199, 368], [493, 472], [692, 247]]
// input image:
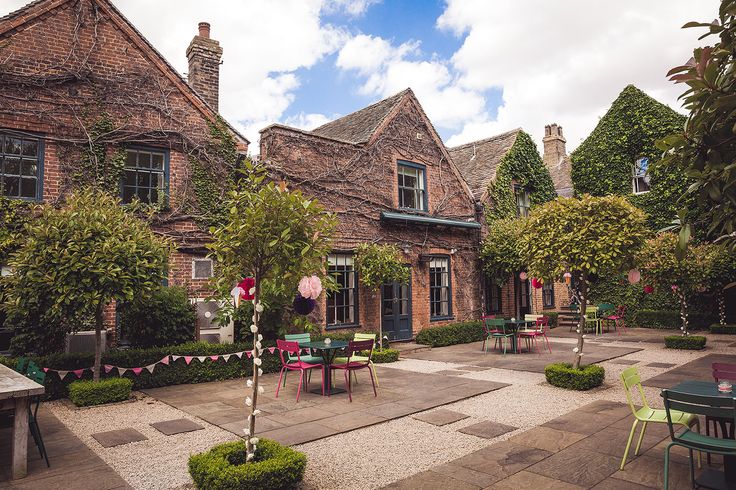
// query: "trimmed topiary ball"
[[563, 375]]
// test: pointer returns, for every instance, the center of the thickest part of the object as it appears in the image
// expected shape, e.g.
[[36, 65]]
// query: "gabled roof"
[[35, 9], [478, 161], [359, 126]]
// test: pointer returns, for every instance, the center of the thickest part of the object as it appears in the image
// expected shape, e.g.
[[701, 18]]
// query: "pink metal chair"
[[542, 327], [617, 319], [488, 331], [351, 365], [293, 350]]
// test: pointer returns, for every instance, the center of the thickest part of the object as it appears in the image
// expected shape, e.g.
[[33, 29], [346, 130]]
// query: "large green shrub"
[[382, 356], [87, 393], [164, 318], [670, 319], [723, 329], [275, 467], [553, 316], [500, 249], [691, 342], [454, 333], [584, 378]]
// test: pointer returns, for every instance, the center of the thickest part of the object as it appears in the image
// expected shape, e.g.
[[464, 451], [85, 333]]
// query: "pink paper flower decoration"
[[634, 276], [310, 287], [246, 285], [649, 289], [523, 276], [537, 283], [674, 287]]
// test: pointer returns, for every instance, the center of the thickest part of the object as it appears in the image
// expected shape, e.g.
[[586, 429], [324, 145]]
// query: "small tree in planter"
[[377, 265], [721, 276], [275, 236], [78, 258], [500, 252], [585, 236]]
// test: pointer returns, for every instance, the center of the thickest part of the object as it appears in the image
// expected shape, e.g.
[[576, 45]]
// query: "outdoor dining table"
[[328, 353], [17, 390], [513, 326], [711, 478]]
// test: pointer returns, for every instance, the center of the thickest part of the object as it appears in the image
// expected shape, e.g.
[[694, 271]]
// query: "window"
[[523, 202], [202, 269], [21, 166], [440, 297], [548, 295], [641, 176], [342, 305], [493, 296], [412, 186], [145, 176]]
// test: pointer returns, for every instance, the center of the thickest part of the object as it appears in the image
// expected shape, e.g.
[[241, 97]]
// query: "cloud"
[[352, 8]]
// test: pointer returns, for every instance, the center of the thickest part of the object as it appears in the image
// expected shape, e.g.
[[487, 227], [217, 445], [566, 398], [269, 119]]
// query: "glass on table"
[[725, 386]]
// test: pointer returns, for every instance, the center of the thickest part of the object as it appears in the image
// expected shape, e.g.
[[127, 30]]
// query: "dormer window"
[[523, 202], [641, 176], [412, 186]]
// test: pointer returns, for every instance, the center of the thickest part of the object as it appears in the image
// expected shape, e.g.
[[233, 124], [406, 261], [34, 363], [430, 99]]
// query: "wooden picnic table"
[[17, 390]]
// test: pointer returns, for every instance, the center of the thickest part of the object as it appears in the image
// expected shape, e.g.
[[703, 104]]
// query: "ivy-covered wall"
[[521, 165], [603, 163]]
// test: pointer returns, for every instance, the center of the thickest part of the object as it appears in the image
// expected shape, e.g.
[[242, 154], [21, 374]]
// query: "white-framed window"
[[640, 181], [202, 269], [412, 186], [523, 202], [440, 288], [342, 305]]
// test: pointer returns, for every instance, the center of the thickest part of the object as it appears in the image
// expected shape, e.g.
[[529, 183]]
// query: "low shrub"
[[691, 342], [382, 356], [224, 467], [165, 317], [87, 393], [564, 376], [454, 333], [725, 329], [670, 319], [553, 317]]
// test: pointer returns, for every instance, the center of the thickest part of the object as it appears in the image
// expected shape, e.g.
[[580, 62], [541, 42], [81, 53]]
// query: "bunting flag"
[[62, 374], [165, 360], [137, 370], [78, 372], [214, 358], [109, 368], [239, 354], [271, 349], [188, 359], [201, 358], [174, 358], [151, 367], [122, 371], [249, 354], [226, 357]]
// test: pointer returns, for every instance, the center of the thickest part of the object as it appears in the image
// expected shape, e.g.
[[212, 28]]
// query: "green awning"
[[427, 220]]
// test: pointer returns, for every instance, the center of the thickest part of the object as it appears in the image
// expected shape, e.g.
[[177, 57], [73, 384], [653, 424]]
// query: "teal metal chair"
[[308, 358], [500, 335], [710, 406], [35, 373], [21, 365]]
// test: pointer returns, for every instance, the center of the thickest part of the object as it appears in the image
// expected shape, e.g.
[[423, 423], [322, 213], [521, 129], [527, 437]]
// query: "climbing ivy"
[[14, 215], [100, 165], [522, 166], [603, 163], [499, 251]]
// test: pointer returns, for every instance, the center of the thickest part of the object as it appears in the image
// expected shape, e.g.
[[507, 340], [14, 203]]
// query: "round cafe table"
[[513, 326], [328, 353]]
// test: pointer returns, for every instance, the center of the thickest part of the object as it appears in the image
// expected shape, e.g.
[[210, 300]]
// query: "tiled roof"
[[478, 161], [359, 126]]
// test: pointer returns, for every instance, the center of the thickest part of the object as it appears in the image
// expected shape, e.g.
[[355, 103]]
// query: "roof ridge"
[[403, 92], [21, 10], [307, 133], [485, 140]]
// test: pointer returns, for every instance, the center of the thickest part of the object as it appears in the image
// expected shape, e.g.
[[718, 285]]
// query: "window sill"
[[339, 326], [413, 211], [441, 318]]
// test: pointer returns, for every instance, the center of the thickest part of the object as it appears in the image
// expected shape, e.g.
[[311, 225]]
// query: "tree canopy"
[[500, 252], [378, 264]]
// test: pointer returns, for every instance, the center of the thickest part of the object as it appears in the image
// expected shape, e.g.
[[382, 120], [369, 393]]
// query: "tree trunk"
[[380, 318], [683, 312], [721, 307], [99, 324], [581, 322], [249, 446]]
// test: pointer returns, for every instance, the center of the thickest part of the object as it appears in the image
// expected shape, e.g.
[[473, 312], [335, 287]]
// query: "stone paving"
[[697, 369]]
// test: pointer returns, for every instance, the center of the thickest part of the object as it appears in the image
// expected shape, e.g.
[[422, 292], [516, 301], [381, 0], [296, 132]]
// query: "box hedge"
[[454, 333], [670, 319], [723, 329], [224, 468], [86, 393], [382, 356], [582, 379], [691, 342]]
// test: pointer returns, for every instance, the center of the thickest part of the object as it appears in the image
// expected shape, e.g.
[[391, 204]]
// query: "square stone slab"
[[625, 362], [473, 368], [176, 426], [118, 437], [487, 429], [440, 417], [660, 365], [452, 372]]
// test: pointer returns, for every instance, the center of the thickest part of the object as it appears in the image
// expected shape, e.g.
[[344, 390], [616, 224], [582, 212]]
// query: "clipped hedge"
[[224, 468], [454, 333], [382, 356], [564, 376], [670, 319], [553, 317], [724, 329], [87, 393], [691, 342]]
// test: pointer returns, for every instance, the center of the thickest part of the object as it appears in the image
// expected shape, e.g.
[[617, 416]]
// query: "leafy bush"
[[553, 317], [165, 317], [381, 356], [582, 379], [725, 329], [691, 342], [224, 467], [86, 393], [454, 333], [668, 319]]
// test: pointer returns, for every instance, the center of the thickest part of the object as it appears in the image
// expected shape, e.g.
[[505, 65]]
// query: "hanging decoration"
[[634, 276], [648, 289], [567, 277], [537, 283], [304, 306], [523, 276], [310, 287]]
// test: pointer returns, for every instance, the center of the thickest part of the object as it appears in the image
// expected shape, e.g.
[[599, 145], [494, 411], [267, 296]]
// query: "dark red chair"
[[727, 371], [293, 350], [542, 327], [617, 319], [355, 347], [488, 331]]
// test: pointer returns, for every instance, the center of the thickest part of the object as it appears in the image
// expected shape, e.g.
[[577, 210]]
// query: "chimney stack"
[[556, 160], [204, 56]]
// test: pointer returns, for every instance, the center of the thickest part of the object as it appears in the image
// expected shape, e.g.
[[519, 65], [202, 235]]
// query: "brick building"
[[389, 178], [84, 95]]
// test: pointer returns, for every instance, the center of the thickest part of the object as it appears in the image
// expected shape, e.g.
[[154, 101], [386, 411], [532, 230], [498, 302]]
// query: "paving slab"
[[527, 479], [625, 362], [661, 364], [577, 466], [487, 429], [452, 372], [465, 475], [176, 426], [431, 480], [502, 460], [118, 437], [546, 438], [440, 417], [698, 369]]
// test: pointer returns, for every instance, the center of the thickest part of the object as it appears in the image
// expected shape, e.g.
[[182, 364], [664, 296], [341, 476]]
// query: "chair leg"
[[375, 376], [278, 386], [707, 433], [641, 438], [692, 469], [299, 388], [285, 373], [628, 443], [322, 377], [347, 385], [370, 369], [667, 466], [548, 346]]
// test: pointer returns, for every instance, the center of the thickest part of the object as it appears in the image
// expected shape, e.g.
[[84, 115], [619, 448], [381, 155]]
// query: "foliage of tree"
[[603, 163], [78, 258], [583, 236], [500, 249], [522, 166], [165, 317], [721, 276], [276, 236], [706, 148]]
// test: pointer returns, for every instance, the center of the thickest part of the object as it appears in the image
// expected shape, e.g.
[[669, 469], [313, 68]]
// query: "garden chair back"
[[715, 407], [543, 324], [291, 347], [356, 347], [365, 336], [297, 337], [369, 359], [20, 365], [357, 362], [500, 334], [606, 309], [724, 370], [292, 350], [488, 329]]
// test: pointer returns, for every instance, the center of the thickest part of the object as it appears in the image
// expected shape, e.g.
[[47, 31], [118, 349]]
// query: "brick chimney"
[[556, 160], [204, 56]]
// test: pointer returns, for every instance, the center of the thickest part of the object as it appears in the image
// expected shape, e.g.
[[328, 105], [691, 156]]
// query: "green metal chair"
[[605, 309], [35, 373], [591, 318], [501, 335], [646, 414], [343, 360], [302, 337], [710, 406], [21, 365]]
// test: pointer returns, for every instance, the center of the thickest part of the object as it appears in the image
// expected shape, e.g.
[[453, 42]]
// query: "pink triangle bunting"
[[137, 370], [165, 360], [188, 359], [249, 354], [214, 358], [45, 370], [109, 368], [78, 372], [271, 349]]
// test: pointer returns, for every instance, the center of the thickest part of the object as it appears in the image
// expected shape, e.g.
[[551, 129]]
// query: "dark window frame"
[[548, 295], [425, 190], [332, 295], [492, 287], [432, 288], [522, 191], [40, 153], [166, 172]]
